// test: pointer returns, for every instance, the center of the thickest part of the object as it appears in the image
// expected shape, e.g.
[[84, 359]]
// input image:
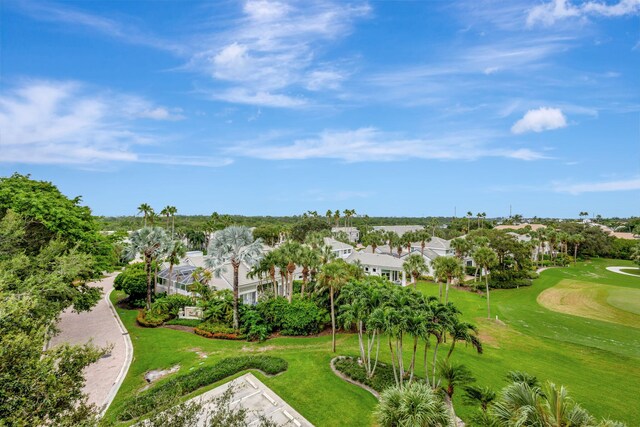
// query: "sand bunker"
[[594, 301]]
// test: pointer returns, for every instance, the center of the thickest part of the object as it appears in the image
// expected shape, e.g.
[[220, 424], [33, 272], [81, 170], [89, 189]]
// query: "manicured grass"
[[598, 361], [635, 271]]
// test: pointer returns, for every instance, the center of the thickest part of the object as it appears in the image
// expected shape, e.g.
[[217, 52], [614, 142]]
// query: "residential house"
[[376, 264]]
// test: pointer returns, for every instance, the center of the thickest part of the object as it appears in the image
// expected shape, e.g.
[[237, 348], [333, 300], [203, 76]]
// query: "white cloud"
[[52, 122], [373, 145], [597, 187], [557, 10], [273, 48], [540, 120]]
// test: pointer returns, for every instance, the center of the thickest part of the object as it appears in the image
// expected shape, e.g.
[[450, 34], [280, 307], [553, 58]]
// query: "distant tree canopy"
[[300, 229]]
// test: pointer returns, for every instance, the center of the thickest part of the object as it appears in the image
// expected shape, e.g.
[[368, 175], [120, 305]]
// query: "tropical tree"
[[309, 260], [374, 239], [462, 331], [175, 251], [416, 405], [462, 247], [482, 395], [454, 375], [333, 276], [393, 240], [266, 267], [290, 253], [150, 242], [486, 259], [233, 245], [635, 254], [576, 240], [423, 237], [146, 210], [415, 266], [447, 268]]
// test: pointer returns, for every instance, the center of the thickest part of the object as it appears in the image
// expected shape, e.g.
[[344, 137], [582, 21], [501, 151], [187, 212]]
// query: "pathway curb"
[[128, 357]]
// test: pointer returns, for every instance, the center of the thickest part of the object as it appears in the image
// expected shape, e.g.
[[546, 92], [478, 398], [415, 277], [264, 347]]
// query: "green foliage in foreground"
[[181, 385], [382, 379], [415, 405]]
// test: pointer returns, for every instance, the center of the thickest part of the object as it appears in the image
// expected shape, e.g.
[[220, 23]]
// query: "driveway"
[[102, 327]]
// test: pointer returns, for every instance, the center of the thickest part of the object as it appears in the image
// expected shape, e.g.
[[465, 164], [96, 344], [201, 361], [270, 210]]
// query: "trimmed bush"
[[148, 319], [218, 331], [192, 323], [164, 394]]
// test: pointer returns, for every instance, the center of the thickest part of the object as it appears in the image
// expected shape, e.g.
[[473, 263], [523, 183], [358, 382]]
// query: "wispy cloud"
[[557, 10], [373, 145], [52, 12], [272, 49], [540, 120], [53, 122], [598, 187]]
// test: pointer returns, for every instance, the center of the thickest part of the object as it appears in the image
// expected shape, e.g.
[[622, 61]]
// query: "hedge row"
[[165, 394], [146, 321]]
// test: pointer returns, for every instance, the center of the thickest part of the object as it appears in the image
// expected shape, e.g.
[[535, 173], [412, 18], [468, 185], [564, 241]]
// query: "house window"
[[374, 270], [469, 263], [366, 269], [249, 298]]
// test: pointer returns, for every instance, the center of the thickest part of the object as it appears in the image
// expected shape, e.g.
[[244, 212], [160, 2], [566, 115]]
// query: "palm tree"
[[329, 215], [423, 237], [374, 239], [462, 248], [392, 239], [173, 211], [309, 259], [290, 252], [150, 243], [454, 375], [333, 276], [469, 215], [525, 405], [415, 266], [175, 252], [447, 268], [576, 240], [267, 267], [486, 258], [234, 245], [462, 331], [482, 395], [416, 405], [165, 212], [146, 210]]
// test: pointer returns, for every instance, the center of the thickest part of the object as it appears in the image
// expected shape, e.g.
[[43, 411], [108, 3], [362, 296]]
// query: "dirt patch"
[[258, 349], [201, 354], [589, 300], [156, 374]]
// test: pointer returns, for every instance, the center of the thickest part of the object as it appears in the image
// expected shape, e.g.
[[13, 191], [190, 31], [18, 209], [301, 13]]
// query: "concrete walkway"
[[617, 270], [103, 328]]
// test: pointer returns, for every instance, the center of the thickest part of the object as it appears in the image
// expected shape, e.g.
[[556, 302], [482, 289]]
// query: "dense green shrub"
[[382, 378], [170, 304], [133, 282], [162, 394], [148, 319], [300, 317], [254, 325], [509, 279], [218, 331], [218, 307]]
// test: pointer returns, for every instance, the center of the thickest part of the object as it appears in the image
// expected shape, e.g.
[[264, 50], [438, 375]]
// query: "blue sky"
[[402, 108]]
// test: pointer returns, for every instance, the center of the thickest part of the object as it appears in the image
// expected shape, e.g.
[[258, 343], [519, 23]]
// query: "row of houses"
[[382, 261]]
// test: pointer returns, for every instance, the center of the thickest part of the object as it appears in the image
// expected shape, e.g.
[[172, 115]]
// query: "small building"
[[399, 229], [340, 249], [352, 232]]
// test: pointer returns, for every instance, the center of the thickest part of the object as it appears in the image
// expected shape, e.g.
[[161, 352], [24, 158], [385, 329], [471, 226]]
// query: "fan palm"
[[150, 242], [233, 245], [415, 405]]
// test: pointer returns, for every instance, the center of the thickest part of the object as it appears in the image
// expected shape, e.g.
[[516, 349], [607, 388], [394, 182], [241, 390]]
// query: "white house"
[[340, 249], [352, 232], [399, 229], [380, 265]]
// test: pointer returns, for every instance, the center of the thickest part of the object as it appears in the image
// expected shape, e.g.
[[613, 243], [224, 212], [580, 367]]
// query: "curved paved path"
[[617, 270], [103, 327]]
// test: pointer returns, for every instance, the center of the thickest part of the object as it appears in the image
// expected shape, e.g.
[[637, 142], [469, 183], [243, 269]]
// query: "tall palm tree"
[[486, 258], [333, 276], [374, 239], [415, 266], [392, 239], [462, 248], [423, 237], [290, 252], [576, 239], [233, 245], [329, 215], [309, 259], [447, 268], [175, 252], [150, 242], [173, 211], [469, 215], [267, 267], [145, 209], [416, 405]]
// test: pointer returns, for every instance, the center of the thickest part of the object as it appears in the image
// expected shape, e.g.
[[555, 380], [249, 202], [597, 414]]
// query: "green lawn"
[[599, 361]]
